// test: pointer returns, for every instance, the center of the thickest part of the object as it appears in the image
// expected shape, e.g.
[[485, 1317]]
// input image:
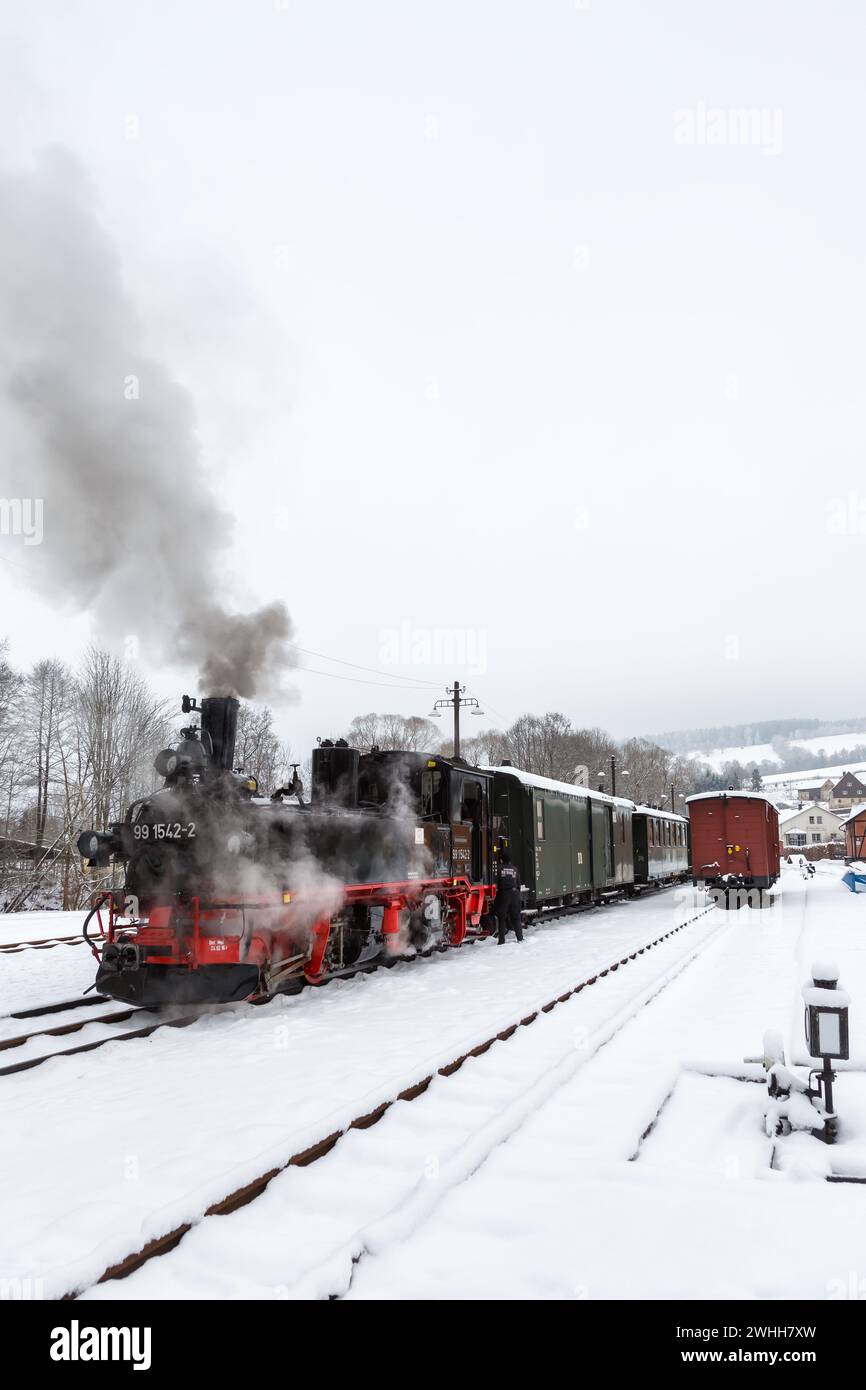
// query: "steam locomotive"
[[229, 894]]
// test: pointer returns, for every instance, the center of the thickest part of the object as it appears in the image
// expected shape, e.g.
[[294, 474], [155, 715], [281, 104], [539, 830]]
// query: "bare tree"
[[12, 761], [486, 749], [258, 750], [47, 689], [106, 754], [393, 732]]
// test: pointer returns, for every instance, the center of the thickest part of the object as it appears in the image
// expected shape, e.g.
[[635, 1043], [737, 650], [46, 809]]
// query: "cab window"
[[432, 795]]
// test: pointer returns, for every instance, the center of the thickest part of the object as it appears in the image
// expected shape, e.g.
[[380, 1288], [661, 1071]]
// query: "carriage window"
[[539, 819]]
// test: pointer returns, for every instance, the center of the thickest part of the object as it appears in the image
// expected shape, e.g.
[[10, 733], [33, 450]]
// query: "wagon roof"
[[532, 779], [656, 811], [731, 795]]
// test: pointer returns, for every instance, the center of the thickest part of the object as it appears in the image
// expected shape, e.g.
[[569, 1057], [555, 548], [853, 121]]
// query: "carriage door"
[[473, 814]]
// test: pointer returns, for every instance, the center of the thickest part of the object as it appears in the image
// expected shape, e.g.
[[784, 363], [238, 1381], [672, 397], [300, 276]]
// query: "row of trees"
[[76, 747]]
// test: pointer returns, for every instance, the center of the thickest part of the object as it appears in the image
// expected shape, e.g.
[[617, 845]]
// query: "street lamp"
[[602, 775], [826, 1034], [826, 1014], [457, 700]]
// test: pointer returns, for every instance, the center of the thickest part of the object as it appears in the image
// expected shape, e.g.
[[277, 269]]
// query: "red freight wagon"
[[735, 841]]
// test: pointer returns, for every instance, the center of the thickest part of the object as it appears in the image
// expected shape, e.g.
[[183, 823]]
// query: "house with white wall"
[[814, 824]]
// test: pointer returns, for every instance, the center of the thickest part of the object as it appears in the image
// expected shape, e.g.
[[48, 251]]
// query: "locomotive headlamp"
[[826, 1013], [97, 846], [166, 762], [431, 762], [287, 898]]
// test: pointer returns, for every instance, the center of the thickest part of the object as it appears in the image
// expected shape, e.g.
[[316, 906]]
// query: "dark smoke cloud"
[[106, 436]]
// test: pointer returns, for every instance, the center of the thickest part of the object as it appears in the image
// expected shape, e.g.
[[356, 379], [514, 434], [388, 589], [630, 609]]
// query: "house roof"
[[809, 806], [855, 812], [848, 785]]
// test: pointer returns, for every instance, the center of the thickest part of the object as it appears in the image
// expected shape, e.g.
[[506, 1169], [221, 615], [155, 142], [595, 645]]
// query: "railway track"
[[62, 1029], [246, 1194], [121, 1016], [61, 1006], [45, 943], [183, 1021]]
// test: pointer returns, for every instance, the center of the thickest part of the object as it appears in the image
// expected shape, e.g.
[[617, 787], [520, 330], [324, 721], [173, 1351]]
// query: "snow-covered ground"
[[824, 747], [105, 1150], [596, 1207], [39, 926], [752, 753], [609, 1150]]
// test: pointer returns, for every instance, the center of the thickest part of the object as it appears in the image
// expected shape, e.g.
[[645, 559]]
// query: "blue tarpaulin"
[[855, 879]]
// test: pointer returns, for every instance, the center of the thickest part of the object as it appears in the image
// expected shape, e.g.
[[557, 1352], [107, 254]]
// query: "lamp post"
[[457, 700], [601, 776], [826, 1035]]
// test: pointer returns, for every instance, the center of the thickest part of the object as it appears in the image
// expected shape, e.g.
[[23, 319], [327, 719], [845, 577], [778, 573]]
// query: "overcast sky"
[[512, 346]]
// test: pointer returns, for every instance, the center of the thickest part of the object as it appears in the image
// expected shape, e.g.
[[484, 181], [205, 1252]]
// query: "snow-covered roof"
[[855, 812], [664, 815], [532, 779], [742, 796], [808, 806]]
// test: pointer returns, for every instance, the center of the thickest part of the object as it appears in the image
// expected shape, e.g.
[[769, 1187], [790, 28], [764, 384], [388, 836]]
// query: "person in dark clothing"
[[508, 899]]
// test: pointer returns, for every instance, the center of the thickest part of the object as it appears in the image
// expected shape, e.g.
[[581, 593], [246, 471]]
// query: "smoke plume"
[[133, 532]]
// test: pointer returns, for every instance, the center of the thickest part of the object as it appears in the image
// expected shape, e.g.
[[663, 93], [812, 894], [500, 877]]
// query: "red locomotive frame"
[[285, 924]]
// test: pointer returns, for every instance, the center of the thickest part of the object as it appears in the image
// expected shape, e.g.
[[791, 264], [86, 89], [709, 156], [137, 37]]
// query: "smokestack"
[[219, 719]]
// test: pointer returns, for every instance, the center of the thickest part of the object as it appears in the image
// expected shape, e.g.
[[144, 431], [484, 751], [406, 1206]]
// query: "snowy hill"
[[822, 747]]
